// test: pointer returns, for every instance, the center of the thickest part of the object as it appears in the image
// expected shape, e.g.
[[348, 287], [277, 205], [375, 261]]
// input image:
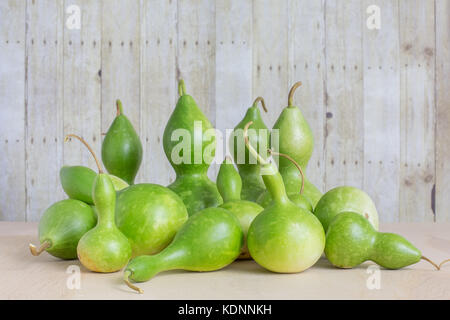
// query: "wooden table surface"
[[23, 276]]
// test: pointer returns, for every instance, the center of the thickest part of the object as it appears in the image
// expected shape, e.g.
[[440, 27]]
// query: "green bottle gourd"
[[122, 148], [61, 227], [149, 215], [103, 248], [297, 141], [249, 170], [342, 199], [229, 184], [284, 237], [192, 183], [352, 240], [77, 182], [210, 240]]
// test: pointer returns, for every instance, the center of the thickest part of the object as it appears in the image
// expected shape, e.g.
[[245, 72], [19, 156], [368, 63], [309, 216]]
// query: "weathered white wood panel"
[[270, 56], [377, 100], [417, 100], [82, 82], [442, 199], [120, 71], [382, 108], [344, 98], [44, 138], [233, 66], [307, 64], [159, 92], [12, 108], [196, 55]]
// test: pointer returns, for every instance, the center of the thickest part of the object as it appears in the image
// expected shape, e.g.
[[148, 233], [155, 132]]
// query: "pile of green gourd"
[[265, 212]]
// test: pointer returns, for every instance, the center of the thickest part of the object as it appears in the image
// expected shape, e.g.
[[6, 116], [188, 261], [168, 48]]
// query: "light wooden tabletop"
[[23, 276]]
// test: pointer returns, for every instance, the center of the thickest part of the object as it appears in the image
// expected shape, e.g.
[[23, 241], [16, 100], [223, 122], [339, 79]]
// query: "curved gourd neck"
[[104, 196], [274, 183], [229, 181]]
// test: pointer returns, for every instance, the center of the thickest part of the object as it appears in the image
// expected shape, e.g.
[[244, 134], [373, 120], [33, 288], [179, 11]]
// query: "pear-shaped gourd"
[[149, 215], [229, 184], [345, 198], [103, 248], [62, 226], [351, 240], [249, 170], [295, 139], [77, 182], [122, 148], [208, 241], [283, 237], [189, 143]]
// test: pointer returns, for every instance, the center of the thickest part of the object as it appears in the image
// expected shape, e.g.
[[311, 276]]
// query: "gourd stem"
[[89, 148], [291, 93], [295, 163], [181, 88], [45, 245], [434, 264], [129, 284], [119, 107], [260, 159], [263, 104], [443, 262]]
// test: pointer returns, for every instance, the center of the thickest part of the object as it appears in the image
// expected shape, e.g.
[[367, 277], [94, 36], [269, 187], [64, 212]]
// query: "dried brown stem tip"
[[129, 284], [434, 264], [291, 93], [89, 148], [35, 252], [263, 104]]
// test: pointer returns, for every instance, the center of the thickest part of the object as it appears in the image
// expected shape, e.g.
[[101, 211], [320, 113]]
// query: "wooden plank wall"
[[377, 99]]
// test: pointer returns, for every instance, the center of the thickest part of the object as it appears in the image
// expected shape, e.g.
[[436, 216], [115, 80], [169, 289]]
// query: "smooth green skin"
[[249, 170], [104, 248], [210, 240], [192, 183], [63, 224], [149, 215], [77, 182], [122, 149], [284, 238], [351, 240], [229, 184], [197, 192], [341, 199], [296, 140]]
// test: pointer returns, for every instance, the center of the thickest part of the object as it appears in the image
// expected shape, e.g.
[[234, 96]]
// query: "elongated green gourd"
[[249, 169], [229, 184], [210, 240], [122, 148], [62, 226], [77, 182], [189, 143], [351, 240], [104, 248], [284, 237], [295, 139], [342, 199]]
